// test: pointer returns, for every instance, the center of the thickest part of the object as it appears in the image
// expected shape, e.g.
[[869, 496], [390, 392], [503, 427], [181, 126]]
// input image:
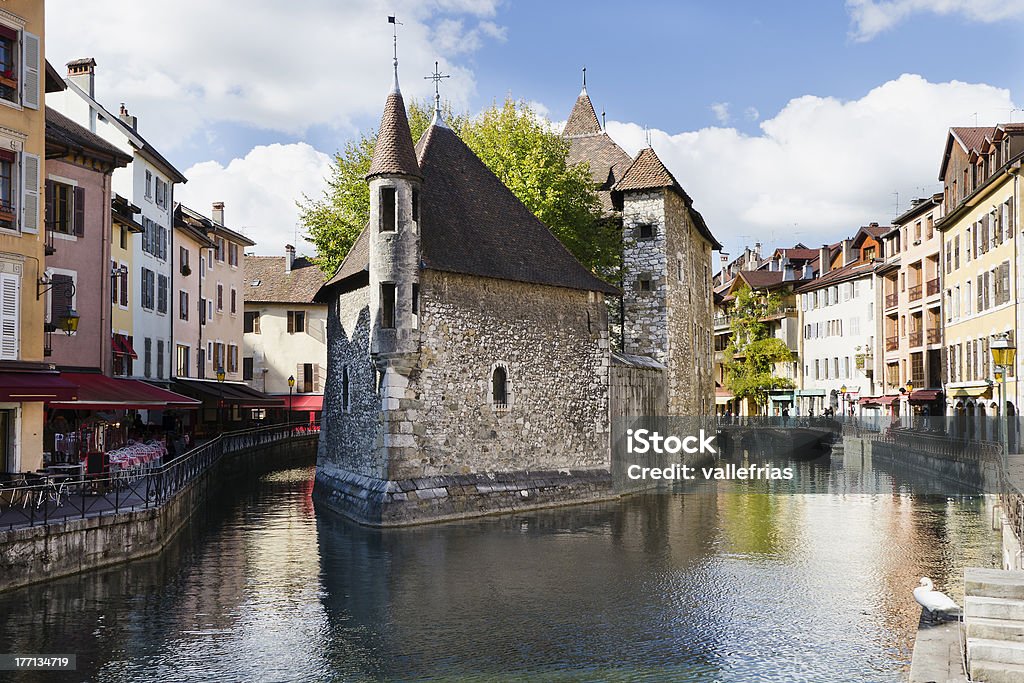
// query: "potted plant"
[[185, 270]]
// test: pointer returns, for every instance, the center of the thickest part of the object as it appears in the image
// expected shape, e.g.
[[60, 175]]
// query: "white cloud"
[[752, 113], [826, 165], [721, 112], [197, 62], [260, 191], [871, 17]]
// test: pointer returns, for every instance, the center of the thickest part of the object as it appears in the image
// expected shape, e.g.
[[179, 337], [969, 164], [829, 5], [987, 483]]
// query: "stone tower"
[[667, 310], [394, 256]]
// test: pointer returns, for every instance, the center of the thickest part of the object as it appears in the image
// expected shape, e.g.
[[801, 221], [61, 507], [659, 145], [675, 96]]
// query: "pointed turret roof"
[[393, 154], [582, 118], [647, 172]]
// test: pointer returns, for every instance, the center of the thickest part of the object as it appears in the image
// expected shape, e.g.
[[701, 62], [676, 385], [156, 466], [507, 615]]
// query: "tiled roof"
[[582, 119], [798, 253], [277, 286], [876, 230], [393, 153], [647, 173], [471, 223], [63, 132], [608, 162], [972, 138], [761, 278], [852, 271]]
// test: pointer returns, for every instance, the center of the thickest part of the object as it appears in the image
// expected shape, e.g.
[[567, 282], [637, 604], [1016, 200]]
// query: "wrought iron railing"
[[915, 338], [932, 286], [934, 335], [892, 300], [914, 292], [892, 343], [60, 498]]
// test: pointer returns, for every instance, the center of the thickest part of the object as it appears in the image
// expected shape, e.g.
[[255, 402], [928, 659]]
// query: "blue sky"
[[786, 118]]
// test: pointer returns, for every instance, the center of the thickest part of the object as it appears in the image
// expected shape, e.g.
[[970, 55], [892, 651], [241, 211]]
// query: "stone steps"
[[996, 672], [994, 624], [996, 629], [993, 608]]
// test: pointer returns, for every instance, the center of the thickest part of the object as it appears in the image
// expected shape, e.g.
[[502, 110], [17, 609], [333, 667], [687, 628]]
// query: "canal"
[[725, 583]]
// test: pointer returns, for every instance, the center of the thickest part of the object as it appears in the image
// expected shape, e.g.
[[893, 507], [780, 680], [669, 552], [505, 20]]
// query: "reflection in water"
[[727, 584]]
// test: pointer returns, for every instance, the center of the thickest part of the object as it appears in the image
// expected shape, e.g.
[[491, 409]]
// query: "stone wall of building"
[[673, 320], [690, 315], [645, 326], [351, 435], [553, 344]]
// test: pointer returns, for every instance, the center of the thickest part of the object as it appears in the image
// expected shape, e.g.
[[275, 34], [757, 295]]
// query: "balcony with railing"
[[892, 300], [915, 338], [932, 287], [892, 343], [914, 292], [934, 335]]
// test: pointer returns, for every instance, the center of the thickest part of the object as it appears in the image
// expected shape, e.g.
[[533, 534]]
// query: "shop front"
[[228, 405], [23, 394]]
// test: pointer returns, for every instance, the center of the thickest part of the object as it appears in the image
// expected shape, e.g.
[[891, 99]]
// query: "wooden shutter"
[[60, 297], [316, 378], [291, 322], [50, 203], [981, 295], [80, 211], [29, 192], [9, 327], [30, 54]]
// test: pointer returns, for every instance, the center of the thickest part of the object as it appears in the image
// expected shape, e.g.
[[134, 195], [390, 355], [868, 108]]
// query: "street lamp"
[[291, 386], [220, 402], [1003, 355], [842, 400]]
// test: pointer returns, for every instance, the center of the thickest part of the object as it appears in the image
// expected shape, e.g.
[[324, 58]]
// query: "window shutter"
[[9, 328], [316, 378], [291, 322], [300, 377], [981, 295], [30, 71], [60, 297], [30, 192], [50, 203], [80, 211]]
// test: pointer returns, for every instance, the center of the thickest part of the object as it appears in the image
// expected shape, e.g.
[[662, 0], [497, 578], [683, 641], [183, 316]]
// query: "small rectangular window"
[[296, 322], [415, 205], [388, 213], [183, 305], [645, 284], [415, 298], [251, 322], [387, 305], [247, 368]]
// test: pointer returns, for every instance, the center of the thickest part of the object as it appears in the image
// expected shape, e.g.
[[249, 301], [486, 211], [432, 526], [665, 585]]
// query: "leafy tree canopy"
[[752, 352], [518, 145]]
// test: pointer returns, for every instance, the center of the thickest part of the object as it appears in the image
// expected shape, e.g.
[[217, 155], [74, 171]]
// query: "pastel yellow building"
[[981, 174], [26, 379], [125, 226]]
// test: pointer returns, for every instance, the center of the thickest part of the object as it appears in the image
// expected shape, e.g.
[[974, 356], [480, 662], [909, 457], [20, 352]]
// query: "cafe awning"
[[36, 386], [878, 400], [925, 395], [99, 392], [228, 393], [976, 391], [123, 347], [304, 402]]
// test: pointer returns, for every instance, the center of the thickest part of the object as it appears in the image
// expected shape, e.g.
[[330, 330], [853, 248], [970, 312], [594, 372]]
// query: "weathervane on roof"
[[647, 135], [436, 77], [396, 23], [584, 79]]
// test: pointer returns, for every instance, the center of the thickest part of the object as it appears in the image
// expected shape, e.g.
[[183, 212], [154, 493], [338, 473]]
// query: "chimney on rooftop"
[[82, 72], [824, 260], [289, 257], [131, 121], [218, 212], [849, 255]]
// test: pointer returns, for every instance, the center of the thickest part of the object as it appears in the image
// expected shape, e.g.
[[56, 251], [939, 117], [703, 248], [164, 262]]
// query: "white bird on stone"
[[932, 600]]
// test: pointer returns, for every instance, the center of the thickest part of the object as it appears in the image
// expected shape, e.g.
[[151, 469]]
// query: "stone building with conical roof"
[[666, 310], [468, 351]]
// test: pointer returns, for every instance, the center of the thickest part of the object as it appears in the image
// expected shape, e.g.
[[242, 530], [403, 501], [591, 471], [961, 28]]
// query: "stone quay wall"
[[41, 553]]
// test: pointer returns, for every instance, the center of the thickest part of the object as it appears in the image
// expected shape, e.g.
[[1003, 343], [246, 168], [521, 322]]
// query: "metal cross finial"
[[584, 78], [436, 77]]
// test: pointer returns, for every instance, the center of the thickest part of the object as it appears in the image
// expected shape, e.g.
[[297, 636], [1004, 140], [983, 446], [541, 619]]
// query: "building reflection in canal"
[[733, 584]]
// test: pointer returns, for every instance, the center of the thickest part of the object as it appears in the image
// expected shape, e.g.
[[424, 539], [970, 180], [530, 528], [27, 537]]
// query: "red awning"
[[878, 400], [123, 347], [925, 395], [99, 392], [303, 402], [36, 386]]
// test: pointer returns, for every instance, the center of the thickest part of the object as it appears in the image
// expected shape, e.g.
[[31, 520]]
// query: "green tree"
[[520, 148], [752, 352]]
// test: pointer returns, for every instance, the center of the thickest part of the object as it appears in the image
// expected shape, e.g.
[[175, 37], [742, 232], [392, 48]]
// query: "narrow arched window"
[[499, 387]]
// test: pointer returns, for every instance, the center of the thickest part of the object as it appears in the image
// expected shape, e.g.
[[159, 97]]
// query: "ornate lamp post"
[[220, 401], [1004, 353], [291, 386], [842, 400]]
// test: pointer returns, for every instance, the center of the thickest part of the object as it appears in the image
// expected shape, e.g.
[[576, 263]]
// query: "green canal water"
[[724, 583]]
